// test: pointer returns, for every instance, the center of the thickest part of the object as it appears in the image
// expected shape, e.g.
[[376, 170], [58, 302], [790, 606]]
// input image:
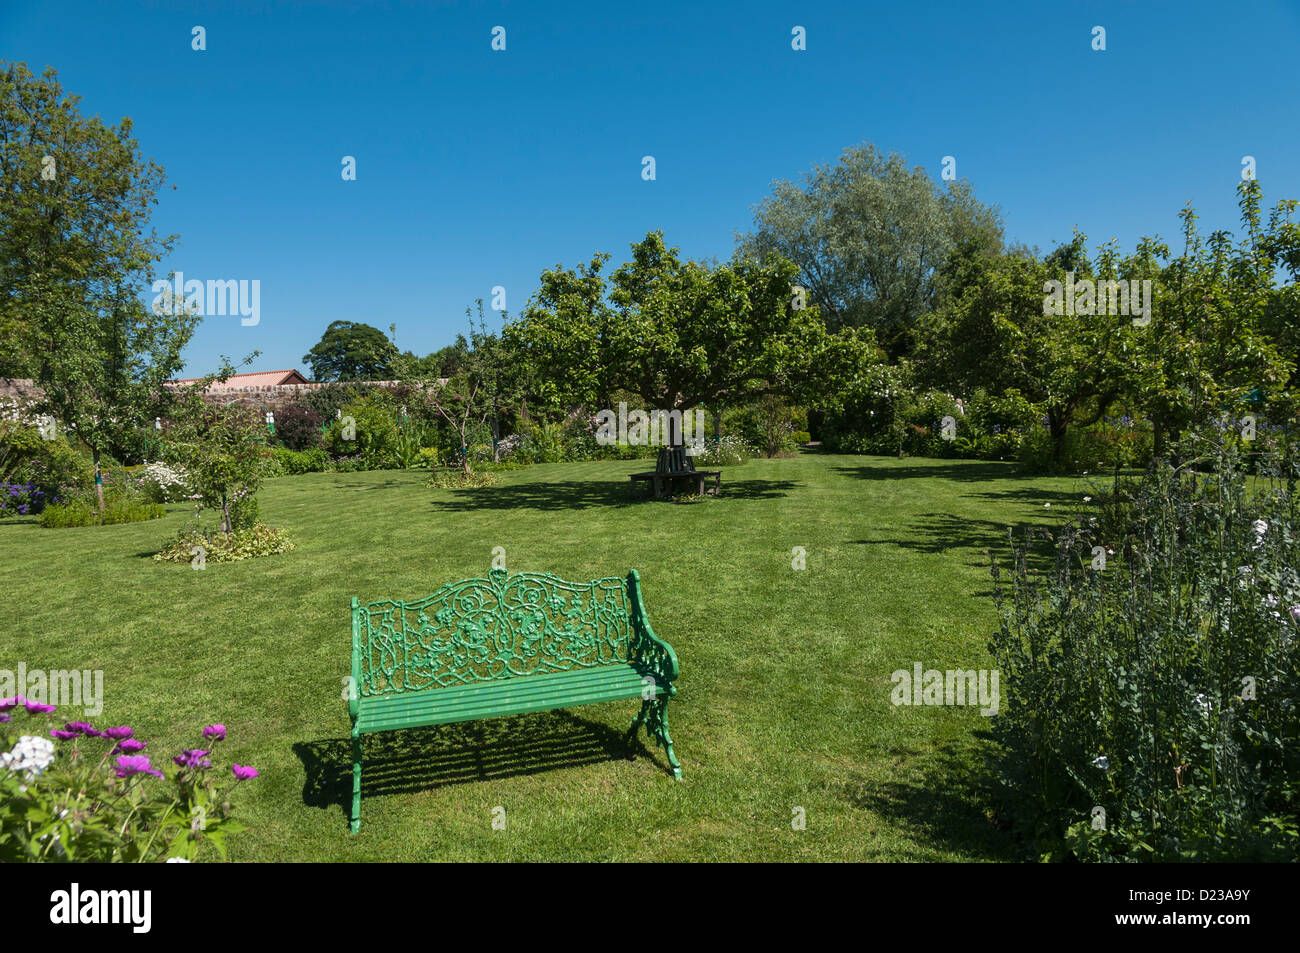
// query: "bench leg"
[[637, 722], [656, 714], [356, 784]]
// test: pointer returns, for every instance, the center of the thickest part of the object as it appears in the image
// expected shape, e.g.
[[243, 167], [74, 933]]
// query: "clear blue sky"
[[478, 168]]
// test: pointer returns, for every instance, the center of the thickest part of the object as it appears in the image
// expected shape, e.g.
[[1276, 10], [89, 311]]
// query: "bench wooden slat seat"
[[506, 645]]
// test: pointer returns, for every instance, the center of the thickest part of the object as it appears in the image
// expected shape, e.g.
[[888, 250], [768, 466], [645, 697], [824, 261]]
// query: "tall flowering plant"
[[81, 793]]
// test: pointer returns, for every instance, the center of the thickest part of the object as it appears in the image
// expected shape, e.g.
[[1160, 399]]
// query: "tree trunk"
[[664, 461], [1056, 426], [99, 482]]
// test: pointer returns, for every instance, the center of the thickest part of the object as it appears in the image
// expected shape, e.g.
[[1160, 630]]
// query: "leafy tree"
[[221, 450], [438, 365], [486, 382], [675, 333], [351, 351], [75, 247], [997, 336], [1221, 330], [568, 335], [877, 244]]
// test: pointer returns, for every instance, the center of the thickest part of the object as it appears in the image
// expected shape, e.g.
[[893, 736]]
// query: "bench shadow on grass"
[[582, 494], [424, 759]]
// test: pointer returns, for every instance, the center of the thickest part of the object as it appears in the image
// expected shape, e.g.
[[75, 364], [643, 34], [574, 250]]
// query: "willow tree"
[[878, 243]]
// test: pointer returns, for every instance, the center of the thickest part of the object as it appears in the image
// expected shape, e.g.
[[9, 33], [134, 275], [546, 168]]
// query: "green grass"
[[784, 692]]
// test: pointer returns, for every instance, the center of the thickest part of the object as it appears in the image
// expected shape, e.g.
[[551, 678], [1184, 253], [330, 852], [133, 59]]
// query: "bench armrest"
[[652, 652], [354, 685]]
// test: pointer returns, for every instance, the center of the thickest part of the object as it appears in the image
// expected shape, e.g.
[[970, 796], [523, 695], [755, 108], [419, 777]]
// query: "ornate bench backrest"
[[478, 630]]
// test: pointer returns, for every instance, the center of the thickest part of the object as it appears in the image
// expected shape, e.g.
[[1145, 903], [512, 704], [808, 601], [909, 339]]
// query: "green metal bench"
[[506, 645]]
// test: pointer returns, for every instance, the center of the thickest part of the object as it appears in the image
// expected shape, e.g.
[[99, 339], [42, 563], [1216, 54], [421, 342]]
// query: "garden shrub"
[[457, 479], [27, 457], [371, 431], [995, 426], [428, 458], [243, 510], [363, 462], [21, 499], [86, 513], [414, 436], [249, 542], [298, 427], [727, 451], [1109, 444], [296, 462], [1150, 700], [770, 424], [501, 466], [160, 483], [83, 794]]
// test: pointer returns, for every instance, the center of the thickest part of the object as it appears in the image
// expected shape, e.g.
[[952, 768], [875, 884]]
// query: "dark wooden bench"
[[673, 465], [506, 645]]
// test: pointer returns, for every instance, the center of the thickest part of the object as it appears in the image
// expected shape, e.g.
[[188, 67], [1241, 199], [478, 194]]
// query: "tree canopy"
[[352, 351], [674, 332], [75, 250], [877, 244]]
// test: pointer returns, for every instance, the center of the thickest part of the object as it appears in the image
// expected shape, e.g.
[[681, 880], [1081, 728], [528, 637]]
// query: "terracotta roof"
[[257, 379]]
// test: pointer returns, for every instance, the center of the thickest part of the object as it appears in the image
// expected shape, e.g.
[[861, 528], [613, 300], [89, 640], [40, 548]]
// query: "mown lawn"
[[784, 692]]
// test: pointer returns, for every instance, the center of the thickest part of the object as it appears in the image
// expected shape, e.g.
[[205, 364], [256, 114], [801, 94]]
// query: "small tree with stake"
[[221, 450]]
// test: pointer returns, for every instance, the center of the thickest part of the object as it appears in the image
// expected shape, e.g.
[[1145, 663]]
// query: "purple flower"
[[36, 708], [82, 728], [120, 733], [215, 732], [128, 765], [63, 735], [4, 717], [193, 758], [242, 772], [130, 746], [7, 703]]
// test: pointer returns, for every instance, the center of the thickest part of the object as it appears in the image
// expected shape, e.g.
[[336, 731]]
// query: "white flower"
[[1203, 702], [1102, 762], [31, 755], [1047, 506], [1087, 499], [176, 860]]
